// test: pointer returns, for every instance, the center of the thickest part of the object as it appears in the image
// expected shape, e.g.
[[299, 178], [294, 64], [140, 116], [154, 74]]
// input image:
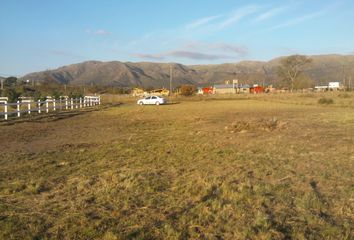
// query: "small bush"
[[187, 90], [325, 100]]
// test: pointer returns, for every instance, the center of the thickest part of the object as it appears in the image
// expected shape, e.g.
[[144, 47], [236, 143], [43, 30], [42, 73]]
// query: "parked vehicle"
[[155, 100]]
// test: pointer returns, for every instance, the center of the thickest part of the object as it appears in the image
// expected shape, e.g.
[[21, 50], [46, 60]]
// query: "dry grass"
[[260, 168]]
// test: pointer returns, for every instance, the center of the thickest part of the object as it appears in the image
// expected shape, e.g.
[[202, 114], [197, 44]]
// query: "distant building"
[[237, 88], [243, 88], [138, 92], [205, 90], [332, 86], [224, 89], [256, 89], [321, 88], [160, 92], [269, 89]]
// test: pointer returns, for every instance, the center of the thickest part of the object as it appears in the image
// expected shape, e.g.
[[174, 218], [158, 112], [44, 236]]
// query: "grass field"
[[265, 167]]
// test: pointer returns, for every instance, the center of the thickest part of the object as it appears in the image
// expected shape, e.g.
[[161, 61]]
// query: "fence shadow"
[[55, 116]]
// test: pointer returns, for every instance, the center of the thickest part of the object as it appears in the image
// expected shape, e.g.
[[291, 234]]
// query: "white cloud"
[[200, 51], [201, 22], [102, 32], [184, 54], [298, 20], [269, 14], [218, 47], [238, 15], [99, 32], [149, 56]]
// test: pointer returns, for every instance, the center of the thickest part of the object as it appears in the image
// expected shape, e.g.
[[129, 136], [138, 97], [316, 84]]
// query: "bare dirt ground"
[[259, 168]]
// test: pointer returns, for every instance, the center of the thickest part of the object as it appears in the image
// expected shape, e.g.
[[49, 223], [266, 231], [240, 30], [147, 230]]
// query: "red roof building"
[[207, 90], [256, 89]]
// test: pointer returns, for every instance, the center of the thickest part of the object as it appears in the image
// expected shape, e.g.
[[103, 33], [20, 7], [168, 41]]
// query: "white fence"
[[29, 106]]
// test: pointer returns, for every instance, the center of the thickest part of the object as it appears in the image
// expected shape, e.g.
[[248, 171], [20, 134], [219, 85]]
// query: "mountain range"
[[323, 69]]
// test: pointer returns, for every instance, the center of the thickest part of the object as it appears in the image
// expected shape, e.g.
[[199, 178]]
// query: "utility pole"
[[2, 84], [65, 89], [170, 79], [343, 76], [265, 79]]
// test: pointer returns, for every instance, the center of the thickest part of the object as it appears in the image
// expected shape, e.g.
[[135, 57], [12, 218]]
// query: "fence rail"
[[29, 106]]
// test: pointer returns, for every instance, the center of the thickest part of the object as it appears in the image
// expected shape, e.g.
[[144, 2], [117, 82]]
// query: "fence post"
[[18, 109], [72, 104], [5, 109], [76, 103], [29, 107], [80, 102], [66, 103], [46, 106], [99, 100], [54, 105], [39, 106]]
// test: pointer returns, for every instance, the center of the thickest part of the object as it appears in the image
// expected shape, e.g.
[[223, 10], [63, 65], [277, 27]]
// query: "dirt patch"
[[263, 124]]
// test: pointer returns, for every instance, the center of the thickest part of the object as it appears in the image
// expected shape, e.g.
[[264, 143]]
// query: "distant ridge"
[[323, 69]]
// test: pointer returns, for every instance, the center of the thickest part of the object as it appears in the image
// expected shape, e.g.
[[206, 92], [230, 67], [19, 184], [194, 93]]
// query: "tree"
[[187, 90], [10, 82], [11, 94], [291, 68], [304, 81]]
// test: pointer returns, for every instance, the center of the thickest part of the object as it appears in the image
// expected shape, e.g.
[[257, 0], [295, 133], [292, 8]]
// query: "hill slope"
[[323, 69]]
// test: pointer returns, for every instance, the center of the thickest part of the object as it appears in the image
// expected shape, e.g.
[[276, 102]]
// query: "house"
[[321, 88], [205, 90], [332, 86], [269, 89], [256, 89], [224, 89], [243, 88], [160, 92], [138, 92]]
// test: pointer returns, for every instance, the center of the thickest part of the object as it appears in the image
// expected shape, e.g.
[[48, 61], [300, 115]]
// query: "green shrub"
[[324, 100]]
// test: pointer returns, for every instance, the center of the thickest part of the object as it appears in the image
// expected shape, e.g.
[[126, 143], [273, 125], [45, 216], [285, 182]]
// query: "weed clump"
[[325, 100], [267, 125]]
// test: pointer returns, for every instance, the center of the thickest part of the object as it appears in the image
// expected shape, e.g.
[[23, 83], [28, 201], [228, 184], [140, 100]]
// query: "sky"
[[38, 35]]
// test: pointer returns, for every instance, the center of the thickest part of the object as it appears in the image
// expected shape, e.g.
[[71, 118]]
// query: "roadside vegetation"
[[244, 167]]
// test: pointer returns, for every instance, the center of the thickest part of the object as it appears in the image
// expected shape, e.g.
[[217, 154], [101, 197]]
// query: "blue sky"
[[42, 34]]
